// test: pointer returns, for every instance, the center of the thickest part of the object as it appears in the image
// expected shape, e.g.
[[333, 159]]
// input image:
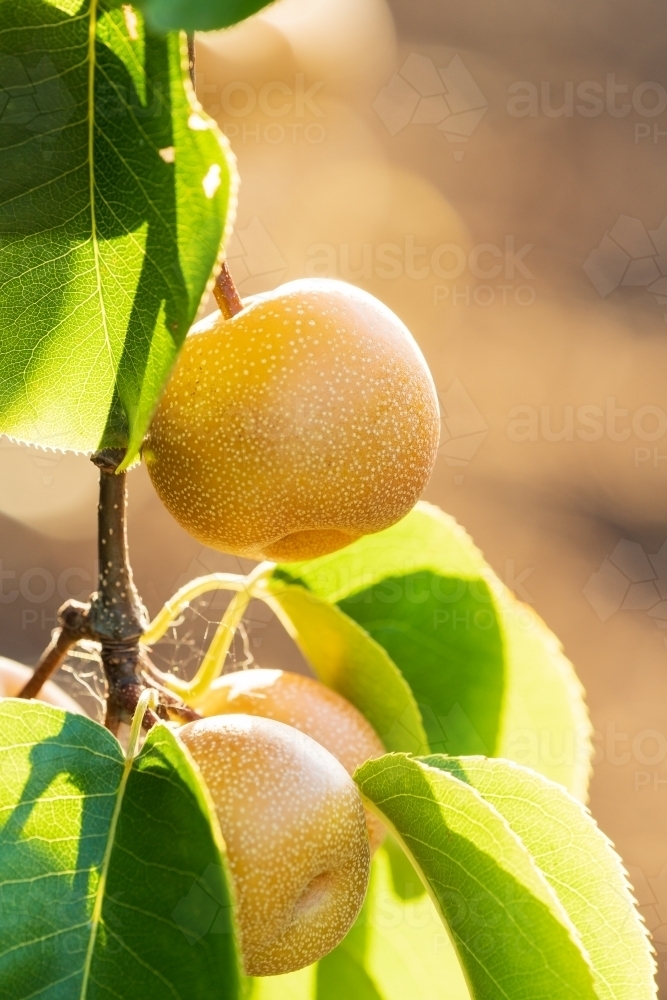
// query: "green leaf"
[[347, 659], [513, 936], [114, 191], [112, 883], [198, 15], [293, 986], [343, 973], [408, 952], [398, 947], [486, 673], [580, 865]]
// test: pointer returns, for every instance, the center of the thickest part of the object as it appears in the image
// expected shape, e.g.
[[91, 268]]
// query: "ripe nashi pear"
[[294, 826], [307, 705], [306, 420]]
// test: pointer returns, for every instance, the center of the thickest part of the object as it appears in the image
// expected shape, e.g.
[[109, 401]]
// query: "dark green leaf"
[[486, 673], [513, 936], [198, 15], [114, 190], [347, 659], [112, 883]]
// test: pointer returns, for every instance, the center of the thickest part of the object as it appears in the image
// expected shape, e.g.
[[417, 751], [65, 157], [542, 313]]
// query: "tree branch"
[[116, 613], [73, 622], [117, 617]]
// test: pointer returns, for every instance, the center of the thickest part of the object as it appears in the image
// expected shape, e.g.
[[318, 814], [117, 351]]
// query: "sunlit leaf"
[[580, 865], [347, 659], [512, 934], [112, 882], [114, 191], [486, 673]]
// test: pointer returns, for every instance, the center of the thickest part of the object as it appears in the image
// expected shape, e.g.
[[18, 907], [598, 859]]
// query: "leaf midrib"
[[92, 33], [104, 871]]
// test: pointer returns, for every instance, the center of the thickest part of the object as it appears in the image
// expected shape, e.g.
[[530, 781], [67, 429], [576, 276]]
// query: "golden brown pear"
[[293, 823], [308, 705], [13, 676], [305, 421]]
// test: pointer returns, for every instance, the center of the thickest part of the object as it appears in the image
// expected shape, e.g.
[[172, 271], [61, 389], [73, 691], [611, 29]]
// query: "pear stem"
[[226, 293], [183, 597], [147, 701], [192, 692]]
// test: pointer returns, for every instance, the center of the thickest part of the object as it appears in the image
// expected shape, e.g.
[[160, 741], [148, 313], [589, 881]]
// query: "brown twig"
[[191, 58], [117, 618], [73, 626]]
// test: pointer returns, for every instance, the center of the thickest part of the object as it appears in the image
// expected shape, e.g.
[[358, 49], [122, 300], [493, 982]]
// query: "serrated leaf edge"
[[230, 157], [583, 808], [562, 913]]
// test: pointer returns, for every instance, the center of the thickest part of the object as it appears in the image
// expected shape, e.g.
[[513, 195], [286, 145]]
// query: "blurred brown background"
[[495, 171]]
